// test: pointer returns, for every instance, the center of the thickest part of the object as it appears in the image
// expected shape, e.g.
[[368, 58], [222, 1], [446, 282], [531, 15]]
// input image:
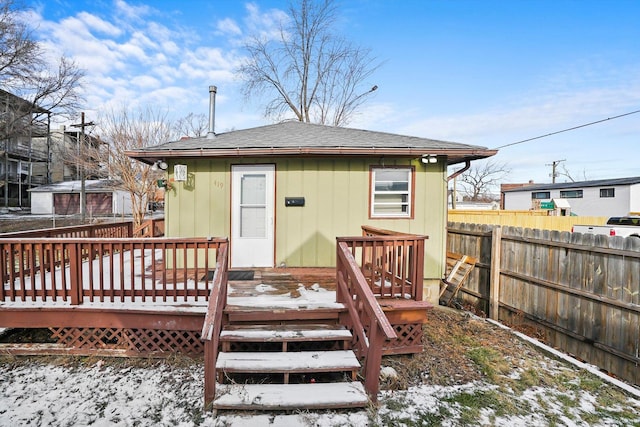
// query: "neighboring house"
[[512, 186], [25, 149], [68, 155], [63, 198], [604, 197], [282, 193]]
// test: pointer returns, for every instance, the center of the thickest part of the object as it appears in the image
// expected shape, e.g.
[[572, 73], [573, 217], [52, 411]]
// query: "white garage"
[[63, 198]]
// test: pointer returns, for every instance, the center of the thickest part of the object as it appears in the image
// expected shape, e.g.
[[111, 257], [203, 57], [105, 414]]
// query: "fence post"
[[494, 284]]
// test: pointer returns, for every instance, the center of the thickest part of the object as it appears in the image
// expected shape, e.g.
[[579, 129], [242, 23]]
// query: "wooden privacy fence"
[[113, 270], [582, 291], [537, 219]]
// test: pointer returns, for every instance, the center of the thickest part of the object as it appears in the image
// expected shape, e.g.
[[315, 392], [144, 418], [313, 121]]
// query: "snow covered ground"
[[80, 392]]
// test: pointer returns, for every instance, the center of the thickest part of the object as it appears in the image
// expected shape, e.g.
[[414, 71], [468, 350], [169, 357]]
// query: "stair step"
[[280, 314], [290, 396], [292, 362], [281, 333]]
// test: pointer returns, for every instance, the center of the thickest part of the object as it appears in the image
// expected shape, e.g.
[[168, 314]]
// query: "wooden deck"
[[123, 296]]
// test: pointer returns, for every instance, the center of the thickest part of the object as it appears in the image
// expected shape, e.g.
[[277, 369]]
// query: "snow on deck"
[[119, 269], [273, 296], [117, 275]]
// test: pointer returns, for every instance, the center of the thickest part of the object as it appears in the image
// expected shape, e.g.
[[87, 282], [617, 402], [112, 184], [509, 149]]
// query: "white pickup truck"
[[625, 226]]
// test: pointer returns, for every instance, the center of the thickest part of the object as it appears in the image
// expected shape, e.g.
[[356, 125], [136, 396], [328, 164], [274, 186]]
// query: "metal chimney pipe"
[[212, 111]]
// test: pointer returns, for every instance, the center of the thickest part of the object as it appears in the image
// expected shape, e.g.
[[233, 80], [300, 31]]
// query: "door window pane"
[[252, 221], [253, 208], [253, 189]]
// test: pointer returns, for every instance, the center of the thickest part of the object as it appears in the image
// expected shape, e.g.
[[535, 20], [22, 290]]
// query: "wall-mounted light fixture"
[[159, 164], [429, 158]]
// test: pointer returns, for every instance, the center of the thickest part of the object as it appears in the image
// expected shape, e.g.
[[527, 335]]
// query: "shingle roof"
[[579, 184], [293, 137], [91, 185]]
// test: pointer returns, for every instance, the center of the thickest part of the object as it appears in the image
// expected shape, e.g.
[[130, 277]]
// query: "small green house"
[[282, 193]]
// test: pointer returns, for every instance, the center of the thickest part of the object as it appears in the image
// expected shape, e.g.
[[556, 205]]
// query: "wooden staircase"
[[305, 346], [286, 357]]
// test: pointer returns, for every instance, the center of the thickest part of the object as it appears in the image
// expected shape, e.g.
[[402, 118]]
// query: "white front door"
[[252, 214]]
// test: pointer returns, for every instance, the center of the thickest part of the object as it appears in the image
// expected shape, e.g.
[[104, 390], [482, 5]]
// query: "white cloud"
[[228, 26], [95, 24], [264, 24], [146, 82], [533, 116], [131, 12]]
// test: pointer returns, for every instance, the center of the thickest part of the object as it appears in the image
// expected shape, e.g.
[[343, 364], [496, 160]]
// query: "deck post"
[[373, 360], [3, 271], [418, 262], [75, 264], [209, 373]]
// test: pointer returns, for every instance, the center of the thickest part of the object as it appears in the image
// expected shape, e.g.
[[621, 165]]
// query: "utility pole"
[[83, 192], [554, 166]]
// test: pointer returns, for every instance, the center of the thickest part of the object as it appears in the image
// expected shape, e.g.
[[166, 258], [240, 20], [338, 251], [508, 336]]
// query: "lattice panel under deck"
[[141, 341], [409, 335]]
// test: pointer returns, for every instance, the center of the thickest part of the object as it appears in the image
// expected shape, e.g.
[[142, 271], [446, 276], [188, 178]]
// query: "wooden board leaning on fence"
[[458, 268]]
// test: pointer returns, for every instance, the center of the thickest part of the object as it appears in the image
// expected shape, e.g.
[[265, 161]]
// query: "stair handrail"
[[213, 322], [369, 323]]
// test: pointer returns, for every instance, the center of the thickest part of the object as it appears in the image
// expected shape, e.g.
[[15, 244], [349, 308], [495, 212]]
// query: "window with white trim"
[[571, 194], [607, 192], [539, 195], [391, 192]]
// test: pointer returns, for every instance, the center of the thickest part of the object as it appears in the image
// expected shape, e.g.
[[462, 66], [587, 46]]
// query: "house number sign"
[[180, 172]]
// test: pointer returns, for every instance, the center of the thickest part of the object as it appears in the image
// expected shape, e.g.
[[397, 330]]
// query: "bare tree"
[[481, 178], [192, 125], [309, 70], [564, 172], [126, 130], [25, 72]]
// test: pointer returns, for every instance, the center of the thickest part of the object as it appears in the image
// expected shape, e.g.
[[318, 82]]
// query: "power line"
[[567, 130]]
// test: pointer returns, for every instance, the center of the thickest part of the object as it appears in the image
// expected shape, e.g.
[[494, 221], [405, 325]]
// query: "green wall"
[[336, 204]]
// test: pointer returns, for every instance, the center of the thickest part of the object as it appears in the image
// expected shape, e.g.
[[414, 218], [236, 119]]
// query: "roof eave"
[[453, 156]]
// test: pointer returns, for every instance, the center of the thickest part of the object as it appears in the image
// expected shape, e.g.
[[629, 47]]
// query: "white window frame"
[[408, 192], [608, 193]]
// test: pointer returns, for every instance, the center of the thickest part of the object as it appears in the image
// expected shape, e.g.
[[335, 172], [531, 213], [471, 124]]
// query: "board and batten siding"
[[336, 192]]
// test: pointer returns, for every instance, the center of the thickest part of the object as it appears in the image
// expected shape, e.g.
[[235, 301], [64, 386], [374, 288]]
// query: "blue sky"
[[484, 72]]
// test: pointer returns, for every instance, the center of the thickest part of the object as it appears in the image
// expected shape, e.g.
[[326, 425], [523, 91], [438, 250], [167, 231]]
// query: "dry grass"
[[458, 349]]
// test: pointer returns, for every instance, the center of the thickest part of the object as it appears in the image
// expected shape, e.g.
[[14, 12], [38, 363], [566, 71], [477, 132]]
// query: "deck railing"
[[153, 227], [365, 318], [213, 323], [391, 262], [113, 270], [106, 230]]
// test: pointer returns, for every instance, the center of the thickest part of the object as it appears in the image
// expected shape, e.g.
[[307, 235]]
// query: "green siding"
[[336, 194]]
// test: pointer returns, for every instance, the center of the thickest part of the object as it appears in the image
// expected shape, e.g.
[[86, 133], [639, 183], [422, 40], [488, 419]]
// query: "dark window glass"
[[607, 192], [571, 194], [537, 195]]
